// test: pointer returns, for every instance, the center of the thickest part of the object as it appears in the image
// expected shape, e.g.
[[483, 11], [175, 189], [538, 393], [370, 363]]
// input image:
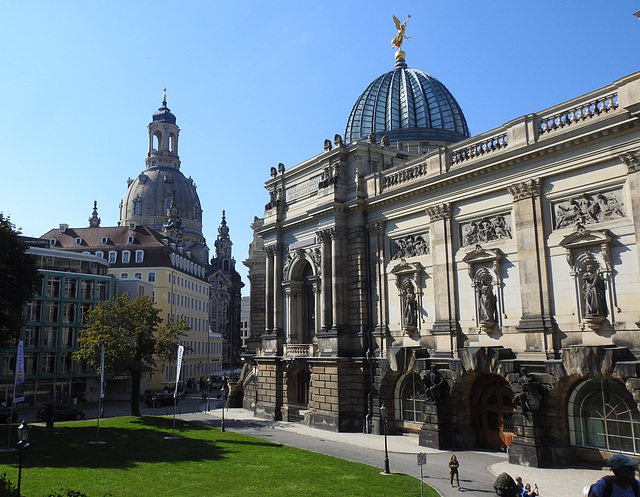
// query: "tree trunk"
[[135, 395]]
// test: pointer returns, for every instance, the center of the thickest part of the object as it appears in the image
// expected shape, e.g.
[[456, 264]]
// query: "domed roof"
[[407, 105], [164, 113]]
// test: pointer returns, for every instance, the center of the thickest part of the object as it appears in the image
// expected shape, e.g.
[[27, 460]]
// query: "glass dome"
[[407, 105]]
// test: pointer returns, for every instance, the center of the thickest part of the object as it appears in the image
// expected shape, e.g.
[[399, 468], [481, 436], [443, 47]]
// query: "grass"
[[137, 460]]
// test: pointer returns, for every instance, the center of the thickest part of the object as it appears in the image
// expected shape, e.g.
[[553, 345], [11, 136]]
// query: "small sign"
[[422, 458]]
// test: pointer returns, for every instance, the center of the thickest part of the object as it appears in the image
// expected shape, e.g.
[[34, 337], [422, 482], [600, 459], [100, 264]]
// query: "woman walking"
[[453, 470]]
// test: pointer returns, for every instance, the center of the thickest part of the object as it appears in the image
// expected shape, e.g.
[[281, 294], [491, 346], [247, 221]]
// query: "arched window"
[[603, 415], [308, 306], [411, 394]]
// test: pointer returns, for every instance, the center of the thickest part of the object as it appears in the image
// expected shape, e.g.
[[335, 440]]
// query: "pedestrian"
[[519, 485], [527, 491], [453, 470], [623, 481]]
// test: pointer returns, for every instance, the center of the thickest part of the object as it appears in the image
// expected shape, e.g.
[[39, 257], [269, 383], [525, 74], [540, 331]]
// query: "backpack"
[[608, 489]]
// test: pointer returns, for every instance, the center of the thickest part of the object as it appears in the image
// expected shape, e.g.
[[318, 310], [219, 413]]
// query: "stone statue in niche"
[[410, 311], [593, 290], [486, 301]]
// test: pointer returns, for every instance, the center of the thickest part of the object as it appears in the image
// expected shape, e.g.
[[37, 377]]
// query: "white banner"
[[18, 384], [178, 367], [102, 371]]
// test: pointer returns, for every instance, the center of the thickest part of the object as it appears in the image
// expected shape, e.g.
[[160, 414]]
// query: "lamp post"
[[23, 436], [383, 417]]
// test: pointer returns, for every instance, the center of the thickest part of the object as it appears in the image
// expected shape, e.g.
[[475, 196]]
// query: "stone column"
[[269, 289], [337, 279], [533, 266], [277, 289], [444, 281], [326, 310], [378, 295], [632, 161]]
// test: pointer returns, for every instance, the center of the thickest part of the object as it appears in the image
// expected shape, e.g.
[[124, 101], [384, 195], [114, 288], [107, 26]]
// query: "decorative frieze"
[[486, 229], [588, 209], [410, 246]]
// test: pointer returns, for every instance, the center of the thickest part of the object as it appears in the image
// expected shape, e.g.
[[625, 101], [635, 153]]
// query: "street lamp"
[[225, 389], [383, 417], [23, 436]]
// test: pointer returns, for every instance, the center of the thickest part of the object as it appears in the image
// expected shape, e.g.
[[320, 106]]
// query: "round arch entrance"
[[491, 410]]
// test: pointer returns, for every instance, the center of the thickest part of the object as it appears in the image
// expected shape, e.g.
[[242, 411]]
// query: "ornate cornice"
[[631, 160], [439, 212]]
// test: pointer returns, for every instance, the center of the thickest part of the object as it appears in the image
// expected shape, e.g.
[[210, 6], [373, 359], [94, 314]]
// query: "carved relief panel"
[[486, 229], [409, 246], [588, 208]]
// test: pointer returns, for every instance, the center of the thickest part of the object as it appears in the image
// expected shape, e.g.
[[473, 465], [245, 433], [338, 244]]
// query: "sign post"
[[422, 460]]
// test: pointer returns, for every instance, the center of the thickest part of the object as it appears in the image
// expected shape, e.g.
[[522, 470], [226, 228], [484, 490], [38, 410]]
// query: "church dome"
[[407, 105]]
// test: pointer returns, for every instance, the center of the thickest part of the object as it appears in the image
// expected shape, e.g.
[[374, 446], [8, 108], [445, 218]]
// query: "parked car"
[[159, 399], [61, 413], [169, 387], [5, 413]]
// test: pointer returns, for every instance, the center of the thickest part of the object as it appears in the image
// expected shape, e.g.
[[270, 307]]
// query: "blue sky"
[[256, 83]]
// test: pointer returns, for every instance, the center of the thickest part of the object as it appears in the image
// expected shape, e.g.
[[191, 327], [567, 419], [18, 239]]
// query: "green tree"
[[133, 336], [19, 281]]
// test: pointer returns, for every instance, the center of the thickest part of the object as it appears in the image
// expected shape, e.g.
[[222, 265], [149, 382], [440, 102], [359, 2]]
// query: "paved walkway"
[[478, 469]]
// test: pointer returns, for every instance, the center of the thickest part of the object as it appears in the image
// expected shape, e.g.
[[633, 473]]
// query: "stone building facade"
[[485, 289]]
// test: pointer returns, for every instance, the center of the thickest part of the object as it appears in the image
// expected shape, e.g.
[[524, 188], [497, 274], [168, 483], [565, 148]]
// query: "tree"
[[19, 281], [133, 336]]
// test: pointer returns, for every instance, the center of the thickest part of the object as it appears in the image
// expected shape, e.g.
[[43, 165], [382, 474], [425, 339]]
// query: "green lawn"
[[137, 460]]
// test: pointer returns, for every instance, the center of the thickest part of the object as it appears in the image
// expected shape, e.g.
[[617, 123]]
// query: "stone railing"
[[300, 350], [478, 149], [415, 171], [580, 112]]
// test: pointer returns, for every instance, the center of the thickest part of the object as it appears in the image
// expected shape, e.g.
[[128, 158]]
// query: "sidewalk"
[[566, 482]]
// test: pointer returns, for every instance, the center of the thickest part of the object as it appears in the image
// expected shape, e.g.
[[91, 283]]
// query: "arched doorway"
[[491, 411]]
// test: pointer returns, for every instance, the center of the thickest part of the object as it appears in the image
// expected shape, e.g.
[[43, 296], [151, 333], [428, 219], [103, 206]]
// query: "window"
[[48, 363], [53, 286], [151, 277], [131, 239], [52, 242], [32, 337], [99, 253], [603, 415], [52, 312], [124, 275], [71, 288], [139, 255], [69, 312], [411, 397], [126, 256], [104, 240], [113, 257], [87, 289], [137, 276], [78, 241], [50, 337], [136, 208]]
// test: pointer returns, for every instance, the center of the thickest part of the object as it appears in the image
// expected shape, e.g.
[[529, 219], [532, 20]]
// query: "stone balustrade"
[[300, 350], [574, 114], [480, 148]]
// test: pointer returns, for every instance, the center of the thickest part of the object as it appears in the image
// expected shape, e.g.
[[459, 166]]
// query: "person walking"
[[453, 471], [623, 483]]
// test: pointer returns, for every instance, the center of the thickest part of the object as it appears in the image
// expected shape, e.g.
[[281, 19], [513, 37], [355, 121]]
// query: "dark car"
[[159, 400], [61, 413], [5, 413]]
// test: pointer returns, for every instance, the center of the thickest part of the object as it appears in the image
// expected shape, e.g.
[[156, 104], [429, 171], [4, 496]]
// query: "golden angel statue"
[[400, 37]]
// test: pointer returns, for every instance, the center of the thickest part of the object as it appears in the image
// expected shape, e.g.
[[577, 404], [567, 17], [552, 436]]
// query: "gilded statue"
[[400, 37]]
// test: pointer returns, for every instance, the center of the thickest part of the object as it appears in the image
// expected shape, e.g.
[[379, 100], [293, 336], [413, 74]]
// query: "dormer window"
[[52, 242], [139, 255], [104, 240], [78, 241], [113, 257], [131, 239], [126, 256]]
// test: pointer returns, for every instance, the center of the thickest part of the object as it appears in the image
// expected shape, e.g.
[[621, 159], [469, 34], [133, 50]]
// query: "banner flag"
[[18, 384], [178, 366], [102, 371]]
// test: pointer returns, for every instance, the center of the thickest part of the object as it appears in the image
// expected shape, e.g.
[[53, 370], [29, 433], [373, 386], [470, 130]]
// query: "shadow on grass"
[[128, 442]]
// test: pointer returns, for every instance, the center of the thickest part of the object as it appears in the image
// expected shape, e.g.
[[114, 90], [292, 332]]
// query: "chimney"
[[63, 227]]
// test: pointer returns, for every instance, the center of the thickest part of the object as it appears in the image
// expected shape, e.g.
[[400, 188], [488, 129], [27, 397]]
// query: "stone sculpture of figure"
[[410, 314], [337, 140], [281, 168], [593, 290], [385, 141], [486, 302], [505, 486], [436, 385], [400, 37], [371, 138], [528, 392], [327, 145], [274, 172]]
